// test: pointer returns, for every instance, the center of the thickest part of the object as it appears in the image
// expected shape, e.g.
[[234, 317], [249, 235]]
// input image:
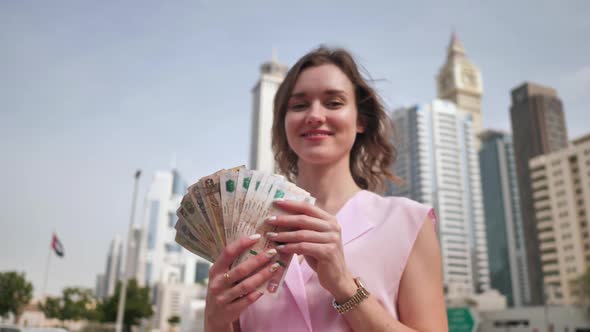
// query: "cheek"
[[291, 123]]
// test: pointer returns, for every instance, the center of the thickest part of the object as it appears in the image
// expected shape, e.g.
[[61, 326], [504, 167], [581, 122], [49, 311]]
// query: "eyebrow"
[[327, 92]]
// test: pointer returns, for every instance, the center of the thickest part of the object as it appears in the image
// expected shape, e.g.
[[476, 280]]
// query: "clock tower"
[[459, 81]]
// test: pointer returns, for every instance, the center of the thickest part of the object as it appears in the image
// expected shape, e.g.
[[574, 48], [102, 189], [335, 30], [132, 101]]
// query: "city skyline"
[[90, 93]]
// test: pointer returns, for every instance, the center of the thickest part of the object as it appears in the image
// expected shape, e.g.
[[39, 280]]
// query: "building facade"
[[113, 269], [560, 184], [538, 127], [438, 163], [272, 74], [459, 81], [504, 232], [135, 261], [164, 258]]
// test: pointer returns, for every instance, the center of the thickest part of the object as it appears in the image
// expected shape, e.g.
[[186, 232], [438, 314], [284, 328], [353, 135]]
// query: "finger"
[[303, 236], [300, 221], [248, 285], [230, 253], [296, 207], [273, 283], [320, 251], [251, 265], [236, 308]]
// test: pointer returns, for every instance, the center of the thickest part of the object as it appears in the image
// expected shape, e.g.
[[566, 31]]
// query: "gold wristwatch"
[[360, 295]]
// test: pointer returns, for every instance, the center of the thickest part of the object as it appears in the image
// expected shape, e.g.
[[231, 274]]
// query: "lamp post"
[[123, 290]]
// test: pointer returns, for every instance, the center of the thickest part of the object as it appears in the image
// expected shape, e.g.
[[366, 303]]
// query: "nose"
[[316, 114]]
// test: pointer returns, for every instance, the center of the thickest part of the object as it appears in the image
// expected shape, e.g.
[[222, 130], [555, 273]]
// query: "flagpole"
[[123, 290], [47, 268]]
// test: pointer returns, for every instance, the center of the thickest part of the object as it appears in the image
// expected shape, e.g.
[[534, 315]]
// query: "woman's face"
[[322, 120]]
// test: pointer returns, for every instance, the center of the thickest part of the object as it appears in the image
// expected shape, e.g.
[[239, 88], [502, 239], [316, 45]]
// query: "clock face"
[[446, 82], [469, 78]]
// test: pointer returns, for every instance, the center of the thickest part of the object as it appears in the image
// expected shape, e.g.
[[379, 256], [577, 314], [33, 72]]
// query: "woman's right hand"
[[230, 291]]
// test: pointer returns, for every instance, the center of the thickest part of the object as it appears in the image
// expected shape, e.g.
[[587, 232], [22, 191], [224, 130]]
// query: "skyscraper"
[[272, 74], [459, 81], [438, 162], [504, 232], [538, 127], [113, 267], [165, 260], [99, 290], [135, 261], [560, 184]]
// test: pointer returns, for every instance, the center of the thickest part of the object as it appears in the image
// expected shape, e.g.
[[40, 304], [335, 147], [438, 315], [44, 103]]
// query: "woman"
[[370, 263]]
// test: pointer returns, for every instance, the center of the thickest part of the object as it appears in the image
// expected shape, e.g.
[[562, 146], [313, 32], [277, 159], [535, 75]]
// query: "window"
[[153, 227], [148, 273], [171, 219], [172, 247], [201, 272]]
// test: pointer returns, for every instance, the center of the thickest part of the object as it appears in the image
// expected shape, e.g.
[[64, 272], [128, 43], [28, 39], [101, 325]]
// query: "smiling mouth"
[[317, 134]]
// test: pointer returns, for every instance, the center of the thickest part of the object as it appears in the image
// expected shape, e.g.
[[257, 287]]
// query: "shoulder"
[[394, 208]]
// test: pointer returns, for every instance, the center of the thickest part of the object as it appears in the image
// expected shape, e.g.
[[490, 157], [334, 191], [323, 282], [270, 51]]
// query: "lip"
[[316, 134]]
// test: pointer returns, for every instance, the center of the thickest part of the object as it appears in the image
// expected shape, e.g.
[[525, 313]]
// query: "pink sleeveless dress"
[[378, 234]]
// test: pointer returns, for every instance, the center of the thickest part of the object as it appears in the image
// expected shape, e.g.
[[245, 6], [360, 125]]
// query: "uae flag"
[[57, 246]]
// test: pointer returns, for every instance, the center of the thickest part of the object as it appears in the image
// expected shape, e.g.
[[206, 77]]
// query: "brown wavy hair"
[[372, 153]]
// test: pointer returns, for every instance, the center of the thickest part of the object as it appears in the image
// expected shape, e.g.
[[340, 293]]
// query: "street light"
[[123, 290]]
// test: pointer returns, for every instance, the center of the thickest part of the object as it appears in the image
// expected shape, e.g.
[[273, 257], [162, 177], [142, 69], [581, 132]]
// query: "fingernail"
[[270, 253], [281, 246], [274, 267], [272, 286], [254, 236], [271, 234], [278, 200], [271, 219]]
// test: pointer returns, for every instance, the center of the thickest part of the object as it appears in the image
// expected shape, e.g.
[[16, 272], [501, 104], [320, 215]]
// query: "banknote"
[[228, 182], [197, 199], [210, 191], [190, 242], [258, 180], [230, 204], [244, 178], [188, 212]]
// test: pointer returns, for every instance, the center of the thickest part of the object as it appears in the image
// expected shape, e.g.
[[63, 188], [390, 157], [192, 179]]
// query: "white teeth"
[[314, 134]]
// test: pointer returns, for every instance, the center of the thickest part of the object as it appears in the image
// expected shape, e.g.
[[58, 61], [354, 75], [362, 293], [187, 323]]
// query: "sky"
[[90, 91]]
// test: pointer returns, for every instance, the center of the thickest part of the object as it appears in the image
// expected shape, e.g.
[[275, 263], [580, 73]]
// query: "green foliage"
[[74, 304], [15, 293], [583, 285], [173, 320], [137, 305]]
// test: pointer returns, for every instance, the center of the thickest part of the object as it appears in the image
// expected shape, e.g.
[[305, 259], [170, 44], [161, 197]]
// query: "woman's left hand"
[[315, 234]]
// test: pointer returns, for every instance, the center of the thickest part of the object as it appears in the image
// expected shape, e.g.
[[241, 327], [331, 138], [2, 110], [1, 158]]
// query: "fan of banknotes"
[[229, 204]]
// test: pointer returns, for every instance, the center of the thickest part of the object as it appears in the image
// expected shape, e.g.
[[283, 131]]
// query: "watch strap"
[[358, 297]]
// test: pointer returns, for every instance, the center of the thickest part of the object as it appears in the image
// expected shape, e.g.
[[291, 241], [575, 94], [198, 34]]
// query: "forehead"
[[320, 79]]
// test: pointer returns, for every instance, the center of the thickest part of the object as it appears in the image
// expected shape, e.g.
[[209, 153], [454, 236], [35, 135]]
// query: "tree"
[[15, 293], [173, 320], [74, 304], [137, 305], [583, 285]]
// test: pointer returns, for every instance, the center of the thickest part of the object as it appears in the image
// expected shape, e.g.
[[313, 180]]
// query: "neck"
[[332, 184]]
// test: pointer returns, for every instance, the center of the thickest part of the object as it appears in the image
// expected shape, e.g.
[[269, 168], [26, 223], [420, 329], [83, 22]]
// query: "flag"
[[57, 246]]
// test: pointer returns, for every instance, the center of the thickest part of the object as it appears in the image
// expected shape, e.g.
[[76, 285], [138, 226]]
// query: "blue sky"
[[92, 90]]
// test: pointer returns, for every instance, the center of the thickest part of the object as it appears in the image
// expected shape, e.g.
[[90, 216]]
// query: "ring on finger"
[[227, 278]]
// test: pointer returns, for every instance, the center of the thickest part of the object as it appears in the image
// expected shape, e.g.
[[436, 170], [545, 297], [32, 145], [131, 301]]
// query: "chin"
[[319, 158]]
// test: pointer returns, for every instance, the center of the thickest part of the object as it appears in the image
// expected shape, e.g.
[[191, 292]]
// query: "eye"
[[334, 104], [298, 106]]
